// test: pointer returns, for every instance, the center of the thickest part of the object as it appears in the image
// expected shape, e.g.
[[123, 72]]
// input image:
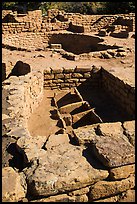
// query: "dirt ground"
[[40, 122]]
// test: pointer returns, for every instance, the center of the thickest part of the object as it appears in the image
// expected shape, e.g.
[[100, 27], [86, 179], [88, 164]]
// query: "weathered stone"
[[81, 191], [18, 132], [56, 70], [113, 151], [83, 69], [106, 55], [30, 148], [55, 140], [70, 107], [110, 129], [103, 189], [77, 75], [61, 169], [85, 134], [129, 131], [12, 190], [90, 114], [48, 76], [63, 198], [110, 199], [122, 172], [128, 196]]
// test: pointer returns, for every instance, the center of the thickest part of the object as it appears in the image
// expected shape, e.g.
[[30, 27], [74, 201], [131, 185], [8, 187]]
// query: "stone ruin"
[[90, 157]]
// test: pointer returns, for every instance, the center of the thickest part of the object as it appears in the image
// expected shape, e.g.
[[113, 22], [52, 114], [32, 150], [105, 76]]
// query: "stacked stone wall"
[[33, 21], [121, 92], [71, 77], [25, 92]]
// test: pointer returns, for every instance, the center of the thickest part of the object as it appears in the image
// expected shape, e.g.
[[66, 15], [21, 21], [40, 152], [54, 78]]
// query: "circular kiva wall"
[[79, 43]]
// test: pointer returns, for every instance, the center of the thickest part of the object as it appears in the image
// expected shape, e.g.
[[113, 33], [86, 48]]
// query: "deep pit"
[[79, 43]]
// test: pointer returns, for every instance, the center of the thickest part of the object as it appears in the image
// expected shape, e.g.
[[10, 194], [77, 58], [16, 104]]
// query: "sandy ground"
[[40, 123]]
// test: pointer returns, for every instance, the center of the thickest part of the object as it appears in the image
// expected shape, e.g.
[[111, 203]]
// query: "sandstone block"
[[48, 76], [56, 70], [77, 75], [12, 190], [61, 169], [128, 196], [85, 134], [110, 129], [70, 107], [121, 172], [83, 69], [103, 189], [63, 198], [114, 151], [55, 140], [129, 130]]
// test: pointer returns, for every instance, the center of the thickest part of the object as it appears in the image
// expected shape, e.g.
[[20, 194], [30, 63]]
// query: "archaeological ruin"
[[68, 107]]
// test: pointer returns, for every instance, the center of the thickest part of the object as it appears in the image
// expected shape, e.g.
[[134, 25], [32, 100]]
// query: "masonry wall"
[[121, 92], [33, 21], [24, 92], [71, 77]]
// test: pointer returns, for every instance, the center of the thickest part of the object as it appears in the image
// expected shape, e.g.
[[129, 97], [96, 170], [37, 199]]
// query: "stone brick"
[[103, 189]]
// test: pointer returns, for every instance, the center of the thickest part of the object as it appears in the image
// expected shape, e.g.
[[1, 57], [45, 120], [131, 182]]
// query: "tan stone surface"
[[85, 134], [63, 198], [103, 189], [129, 131], [110, 129], [63, 168], [70, 107], [114, 152], [128, 196], [122, 172], [12, 190]]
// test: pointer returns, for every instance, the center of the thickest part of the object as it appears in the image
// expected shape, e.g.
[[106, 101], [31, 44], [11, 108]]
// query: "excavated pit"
[[64, 110], [79, 43]]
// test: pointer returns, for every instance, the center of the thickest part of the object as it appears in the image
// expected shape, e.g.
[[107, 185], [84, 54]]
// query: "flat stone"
[[110, 129], [103, 189], [122, 172], [110, 199], [12, 190], [56, 140], [113, 151], [62, 168], [18, 132], [85, 134], [31, 147], [56, 70], [83, 69], [70, 107]]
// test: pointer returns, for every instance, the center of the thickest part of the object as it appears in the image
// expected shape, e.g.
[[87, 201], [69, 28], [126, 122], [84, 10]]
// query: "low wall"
[[120, 91], [57, 20], [24, 95], [71, 77]]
